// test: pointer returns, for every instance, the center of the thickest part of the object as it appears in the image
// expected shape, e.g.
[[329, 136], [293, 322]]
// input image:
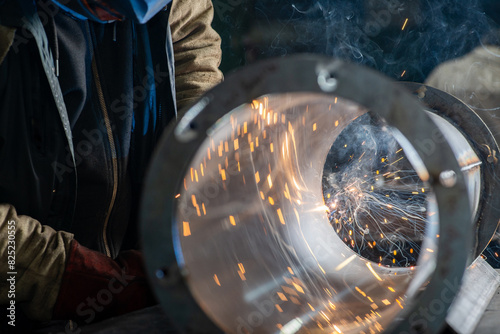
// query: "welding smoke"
[[405, 39]]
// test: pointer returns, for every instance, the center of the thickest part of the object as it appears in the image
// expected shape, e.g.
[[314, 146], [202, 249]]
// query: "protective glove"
[[96, 287]]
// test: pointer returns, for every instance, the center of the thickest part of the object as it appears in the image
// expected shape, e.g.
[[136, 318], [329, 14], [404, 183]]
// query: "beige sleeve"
[[40, 258], [197, 49]]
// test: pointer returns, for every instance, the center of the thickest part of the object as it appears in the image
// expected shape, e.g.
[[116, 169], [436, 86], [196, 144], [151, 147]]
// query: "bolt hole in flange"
[[327, 81]]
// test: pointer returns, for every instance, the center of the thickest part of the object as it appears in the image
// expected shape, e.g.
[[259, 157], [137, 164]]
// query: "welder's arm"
[[40, 257], [196, 49], [57, 278]]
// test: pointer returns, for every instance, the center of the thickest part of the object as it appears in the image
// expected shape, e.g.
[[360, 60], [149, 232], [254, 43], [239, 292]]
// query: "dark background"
[[363, 31]]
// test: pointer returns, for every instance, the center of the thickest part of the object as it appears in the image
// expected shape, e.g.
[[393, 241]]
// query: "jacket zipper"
[[114, 159]]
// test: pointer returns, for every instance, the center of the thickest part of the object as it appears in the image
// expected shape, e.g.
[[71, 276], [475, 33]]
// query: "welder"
[[86, 89]]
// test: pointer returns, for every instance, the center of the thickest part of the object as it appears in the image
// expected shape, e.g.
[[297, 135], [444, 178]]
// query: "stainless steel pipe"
[[307, 195]]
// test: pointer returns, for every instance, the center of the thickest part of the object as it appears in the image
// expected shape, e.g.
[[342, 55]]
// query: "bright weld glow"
[[369, 265], [360, 291], [322, 208], [298, 287], [345, 262], [282, 296], [292, 326], [280, 215], [270, 181], [404, 25], [186, 229]]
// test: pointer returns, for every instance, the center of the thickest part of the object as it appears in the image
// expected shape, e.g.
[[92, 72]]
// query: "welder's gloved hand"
[[96, 287]]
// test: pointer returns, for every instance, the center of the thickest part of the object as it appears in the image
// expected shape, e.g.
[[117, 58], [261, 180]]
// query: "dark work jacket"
[[74, 148]]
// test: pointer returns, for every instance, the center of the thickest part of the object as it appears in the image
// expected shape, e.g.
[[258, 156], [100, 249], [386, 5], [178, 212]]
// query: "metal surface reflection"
[[255, 188]]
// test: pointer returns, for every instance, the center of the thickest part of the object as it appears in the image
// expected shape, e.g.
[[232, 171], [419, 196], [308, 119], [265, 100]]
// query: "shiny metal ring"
[[200, 282]]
